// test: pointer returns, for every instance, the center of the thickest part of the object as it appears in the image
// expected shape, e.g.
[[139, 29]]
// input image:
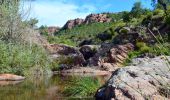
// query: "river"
[[43, 88]]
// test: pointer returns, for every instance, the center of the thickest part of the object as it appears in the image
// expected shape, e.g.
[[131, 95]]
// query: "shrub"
[[18, 59], [145, 49], [142, 47], [140, 44], [12, 28], [158, 12]]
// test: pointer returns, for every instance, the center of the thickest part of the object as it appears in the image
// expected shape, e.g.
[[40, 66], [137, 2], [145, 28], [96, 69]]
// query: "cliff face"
[[102, 18]]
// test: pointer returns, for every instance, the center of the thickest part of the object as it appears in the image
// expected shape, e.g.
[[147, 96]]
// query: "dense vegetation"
[[79, 33], [21, 57], [18, 55]]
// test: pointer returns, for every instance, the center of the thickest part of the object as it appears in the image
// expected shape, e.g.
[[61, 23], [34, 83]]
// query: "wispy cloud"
[[58, 12]]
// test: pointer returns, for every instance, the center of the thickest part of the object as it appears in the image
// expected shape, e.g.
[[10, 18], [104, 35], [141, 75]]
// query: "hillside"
[[115, 55]]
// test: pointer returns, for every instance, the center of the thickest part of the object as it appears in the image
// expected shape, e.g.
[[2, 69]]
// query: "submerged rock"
[[144, 81], [11, 77]]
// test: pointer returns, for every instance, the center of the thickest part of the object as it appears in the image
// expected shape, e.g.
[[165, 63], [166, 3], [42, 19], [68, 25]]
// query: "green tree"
[[163, 3], [10, 21], [126, 16], [137, 9]]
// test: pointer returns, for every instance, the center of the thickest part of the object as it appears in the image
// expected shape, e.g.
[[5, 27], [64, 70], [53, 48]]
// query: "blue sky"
[[57, 12]]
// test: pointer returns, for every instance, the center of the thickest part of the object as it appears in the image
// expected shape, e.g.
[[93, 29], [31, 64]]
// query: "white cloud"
[[56, 13]]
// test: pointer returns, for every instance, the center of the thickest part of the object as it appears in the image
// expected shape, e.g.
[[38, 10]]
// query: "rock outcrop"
[[11, 77], [88, 51], [72, 23], [109, 56], [145, 79], [102, 18]]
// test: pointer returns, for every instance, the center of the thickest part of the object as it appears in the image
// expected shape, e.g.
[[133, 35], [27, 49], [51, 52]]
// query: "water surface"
[[44, 88]]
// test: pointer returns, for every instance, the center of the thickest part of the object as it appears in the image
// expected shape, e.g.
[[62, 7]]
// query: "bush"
[[145, 49], [12, 28], [167, 18], [140, 44], [142, 47], [18, 59], [158, 12]]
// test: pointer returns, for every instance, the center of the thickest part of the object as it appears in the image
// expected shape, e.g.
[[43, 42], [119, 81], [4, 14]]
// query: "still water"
[[44, 88]]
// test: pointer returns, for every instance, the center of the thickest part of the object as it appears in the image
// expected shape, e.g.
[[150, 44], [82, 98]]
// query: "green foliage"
[[158, 12], [43, 30], [11, 25], [145, 49], [131, 55], [74, 36], [161, 49], [167, 18], [137, 9], [86, 86], [61, 40], [142, 47], [19, 58], [126, 16]]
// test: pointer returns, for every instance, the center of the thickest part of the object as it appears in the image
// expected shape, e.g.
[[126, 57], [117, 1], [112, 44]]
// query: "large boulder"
[[148, 79], [88, 51], [112, 55], [11, 77]]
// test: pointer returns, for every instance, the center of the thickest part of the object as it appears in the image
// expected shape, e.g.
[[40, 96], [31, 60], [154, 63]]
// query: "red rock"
[[72, 23], [10, 77]]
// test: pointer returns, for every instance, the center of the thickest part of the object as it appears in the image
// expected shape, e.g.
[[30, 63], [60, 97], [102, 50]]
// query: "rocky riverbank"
[[146, 78]]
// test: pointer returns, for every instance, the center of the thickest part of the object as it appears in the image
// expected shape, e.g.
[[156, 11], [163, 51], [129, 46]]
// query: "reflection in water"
[[44, 88]]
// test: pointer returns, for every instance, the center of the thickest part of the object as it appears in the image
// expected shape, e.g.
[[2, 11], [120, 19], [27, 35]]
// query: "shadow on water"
[[44, 88]]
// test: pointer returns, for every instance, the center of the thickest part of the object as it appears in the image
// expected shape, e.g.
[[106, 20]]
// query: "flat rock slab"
[[85, 71], [11, 77]]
